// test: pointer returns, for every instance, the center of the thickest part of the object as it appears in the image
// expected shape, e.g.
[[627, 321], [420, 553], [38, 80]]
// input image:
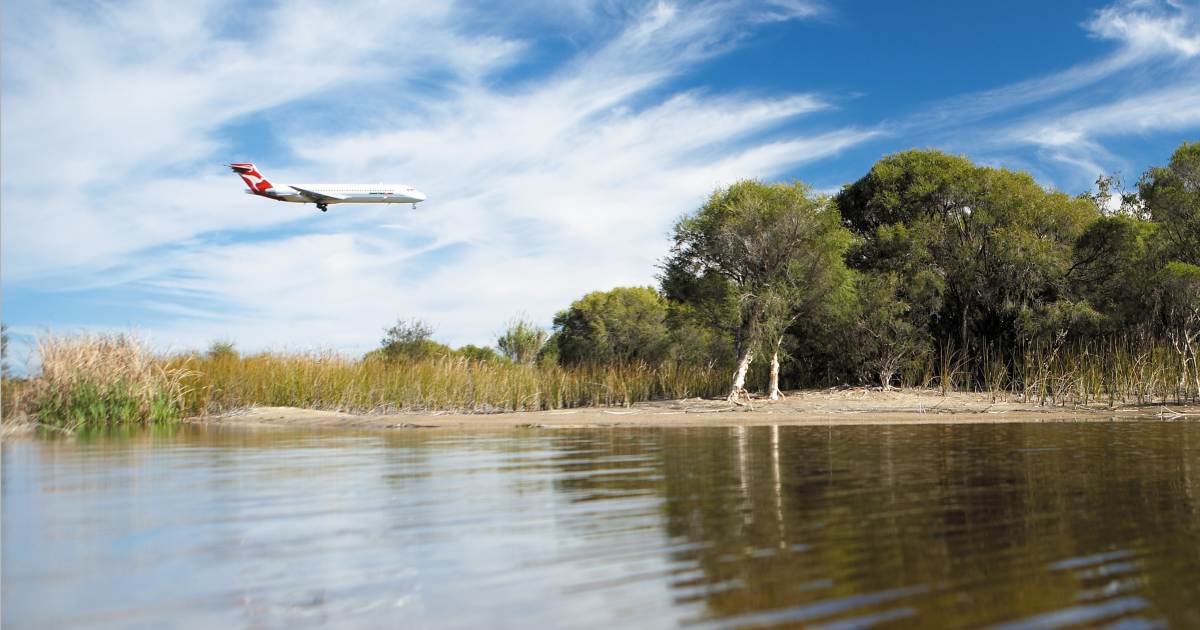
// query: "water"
[[1014, 526]]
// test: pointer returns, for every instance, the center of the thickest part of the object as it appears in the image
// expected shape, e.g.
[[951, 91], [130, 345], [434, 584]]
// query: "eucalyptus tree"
[[409, 340], [768, 254], [1178, 301], [984, 251], [1115, 262], [1171, 195], [890, 331], [623, 325]]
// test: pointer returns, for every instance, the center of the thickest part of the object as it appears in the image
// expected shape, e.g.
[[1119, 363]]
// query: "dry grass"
[[89, 380], [1110, 371], [99, 380], [333, 382]]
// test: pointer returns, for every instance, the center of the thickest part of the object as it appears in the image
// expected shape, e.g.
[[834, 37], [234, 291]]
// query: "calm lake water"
[[1013, 526]]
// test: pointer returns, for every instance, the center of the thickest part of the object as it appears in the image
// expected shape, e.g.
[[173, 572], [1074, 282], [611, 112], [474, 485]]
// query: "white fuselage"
[[347, 193]]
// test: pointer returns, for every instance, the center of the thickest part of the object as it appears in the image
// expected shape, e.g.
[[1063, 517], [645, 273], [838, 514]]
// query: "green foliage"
[[982, 251], [1112, 200], [888, 335], [222, 349], [1114, 261], [522, 341], [410, 340], [1177, 287], [624, 325], [102, 381], [406, 332], [905, 187], [92, 403], [703, 312], [483, 354], [756, 257], [1172, 198], [548, 355]]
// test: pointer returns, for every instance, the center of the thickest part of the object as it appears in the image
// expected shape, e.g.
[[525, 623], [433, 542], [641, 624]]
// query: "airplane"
[[325, 194]]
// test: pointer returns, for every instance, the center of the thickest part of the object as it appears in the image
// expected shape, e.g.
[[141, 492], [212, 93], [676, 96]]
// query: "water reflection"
[[1017, 526]]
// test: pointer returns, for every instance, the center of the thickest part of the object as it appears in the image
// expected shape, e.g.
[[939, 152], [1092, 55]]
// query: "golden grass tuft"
[[89, 380]]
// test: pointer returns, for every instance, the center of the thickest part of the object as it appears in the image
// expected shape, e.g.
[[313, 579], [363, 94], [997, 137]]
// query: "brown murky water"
[[1014, 526]]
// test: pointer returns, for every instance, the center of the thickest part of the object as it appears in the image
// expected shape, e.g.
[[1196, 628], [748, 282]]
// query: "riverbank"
[[822, 407]]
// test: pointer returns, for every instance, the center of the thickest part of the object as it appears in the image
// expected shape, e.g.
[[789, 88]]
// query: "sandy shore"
[[838, 407]]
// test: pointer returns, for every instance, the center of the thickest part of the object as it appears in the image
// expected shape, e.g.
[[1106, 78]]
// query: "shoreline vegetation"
[[89, 381], [928, 276]]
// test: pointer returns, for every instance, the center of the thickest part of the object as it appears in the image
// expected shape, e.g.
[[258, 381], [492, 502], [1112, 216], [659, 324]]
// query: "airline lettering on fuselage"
[[325, 194]]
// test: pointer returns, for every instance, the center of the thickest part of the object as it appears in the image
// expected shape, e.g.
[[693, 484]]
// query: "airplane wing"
[[316, 196]]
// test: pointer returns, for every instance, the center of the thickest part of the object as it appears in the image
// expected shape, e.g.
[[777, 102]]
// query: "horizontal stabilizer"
[[313, 195]]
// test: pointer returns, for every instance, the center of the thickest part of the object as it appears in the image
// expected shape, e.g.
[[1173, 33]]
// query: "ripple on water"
[[1003, 526]]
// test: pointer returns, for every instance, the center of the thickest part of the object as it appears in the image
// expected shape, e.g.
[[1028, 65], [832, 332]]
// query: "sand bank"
[[825, 407]]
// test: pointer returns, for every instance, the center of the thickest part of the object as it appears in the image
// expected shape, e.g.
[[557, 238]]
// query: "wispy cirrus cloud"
[[108, 105], [540, 188], [1150, 28], [1143, 32], [1147, 83], [558, 141]]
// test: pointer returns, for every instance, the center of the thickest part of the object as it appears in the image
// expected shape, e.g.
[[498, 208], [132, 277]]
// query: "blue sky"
[[557, 142]]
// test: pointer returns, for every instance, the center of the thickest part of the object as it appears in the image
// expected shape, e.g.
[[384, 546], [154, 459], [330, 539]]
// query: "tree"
[[888, 334], [1178, 293], [1171, 195], [1115, 260], [222, 350], [759, 250], [809, 288], [1112, 200], [703, 314], [624, 325], [479, 354], [410, 340], [522, 341], [984, 249]]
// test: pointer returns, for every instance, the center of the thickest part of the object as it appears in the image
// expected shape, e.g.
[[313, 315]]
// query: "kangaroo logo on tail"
[[255, 180]]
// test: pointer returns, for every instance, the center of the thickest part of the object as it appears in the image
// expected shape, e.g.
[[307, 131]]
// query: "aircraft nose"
[[418, 195]]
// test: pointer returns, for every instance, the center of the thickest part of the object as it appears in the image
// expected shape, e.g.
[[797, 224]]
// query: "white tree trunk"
[[773, 385], [1188, 336], [739, 377]]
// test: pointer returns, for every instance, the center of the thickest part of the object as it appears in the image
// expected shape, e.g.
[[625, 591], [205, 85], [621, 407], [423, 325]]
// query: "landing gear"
[[322, 207]]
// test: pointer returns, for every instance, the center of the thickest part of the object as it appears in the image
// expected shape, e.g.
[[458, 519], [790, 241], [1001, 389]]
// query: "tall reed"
[[1108, 371], [102, 380], [115, 379], [331, 381]]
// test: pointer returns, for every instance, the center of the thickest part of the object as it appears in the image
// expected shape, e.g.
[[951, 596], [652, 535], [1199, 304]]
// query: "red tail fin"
[[252, 177]]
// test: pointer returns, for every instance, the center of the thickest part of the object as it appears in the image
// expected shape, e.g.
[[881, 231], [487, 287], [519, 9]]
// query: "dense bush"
[[623, 325]]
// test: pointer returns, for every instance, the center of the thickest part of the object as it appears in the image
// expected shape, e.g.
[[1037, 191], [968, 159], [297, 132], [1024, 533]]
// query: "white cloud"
[[1075, 137], [1146, 84], [106, 104], [1151, 28], [1173, 108], [541, 185], [782, 10], [540, 189], [1145, 32]]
